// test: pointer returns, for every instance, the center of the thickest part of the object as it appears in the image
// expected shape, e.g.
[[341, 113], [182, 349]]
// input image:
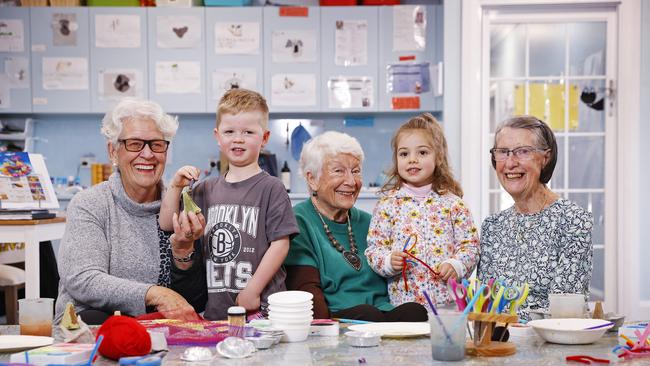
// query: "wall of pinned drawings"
[[329, 59]]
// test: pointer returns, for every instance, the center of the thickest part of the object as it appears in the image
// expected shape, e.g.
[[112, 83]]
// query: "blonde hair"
[[236, 101], [443, 178]]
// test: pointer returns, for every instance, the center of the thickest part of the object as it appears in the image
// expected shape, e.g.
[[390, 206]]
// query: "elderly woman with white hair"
[[327, 257], [113, 255]]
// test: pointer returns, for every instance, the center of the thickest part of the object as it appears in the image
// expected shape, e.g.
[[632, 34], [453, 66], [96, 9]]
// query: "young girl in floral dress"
[[421, 233]]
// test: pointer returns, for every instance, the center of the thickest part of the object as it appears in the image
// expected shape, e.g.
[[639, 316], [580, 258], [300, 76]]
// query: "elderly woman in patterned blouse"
[[542, 239]]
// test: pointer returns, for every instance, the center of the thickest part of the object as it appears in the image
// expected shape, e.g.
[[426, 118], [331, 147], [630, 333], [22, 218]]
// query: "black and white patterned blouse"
[[550, 249]]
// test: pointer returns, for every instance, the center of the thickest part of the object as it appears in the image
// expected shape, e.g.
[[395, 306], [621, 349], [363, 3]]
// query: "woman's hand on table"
[[170, 304], [447, 271]]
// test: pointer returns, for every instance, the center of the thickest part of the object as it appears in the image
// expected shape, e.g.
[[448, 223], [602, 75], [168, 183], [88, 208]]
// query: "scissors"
[[523, 295], [459, 292], [510, 294], [483, 296]]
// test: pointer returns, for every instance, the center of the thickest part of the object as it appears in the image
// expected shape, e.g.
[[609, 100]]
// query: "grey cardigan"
[[109, 255]]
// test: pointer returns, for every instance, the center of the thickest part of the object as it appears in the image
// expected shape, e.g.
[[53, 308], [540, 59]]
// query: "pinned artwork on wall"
[[242, 38], [117, 31], [290, 46], [346, 92], [178, 77], [64, 29], [293, 90], [12, 35], [351, 43], [408, 78], [65, 73], [232, 78], [17, 71], [118, 83], [178, 31], [409, 28]]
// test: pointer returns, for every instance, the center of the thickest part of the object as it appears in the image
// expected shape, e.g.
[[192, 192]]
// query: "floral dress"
[[444, 230], [550, 249]]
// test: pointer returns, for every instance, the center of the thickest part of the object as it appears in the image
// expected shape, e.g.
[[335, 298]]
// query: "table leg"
[[32, 267]]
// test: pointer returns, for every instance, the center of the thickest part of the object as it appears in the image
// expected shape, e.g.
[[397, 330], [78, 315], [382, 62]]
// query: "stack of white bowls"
[[291, 311]]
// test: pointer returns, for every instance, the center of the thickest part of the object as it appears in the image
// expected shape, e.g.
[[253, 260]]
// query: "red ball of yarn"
[[123, 336]]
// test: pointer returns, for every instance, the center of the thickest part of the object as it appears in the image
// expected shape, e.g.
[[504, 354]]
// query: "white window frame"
[[626, 285]]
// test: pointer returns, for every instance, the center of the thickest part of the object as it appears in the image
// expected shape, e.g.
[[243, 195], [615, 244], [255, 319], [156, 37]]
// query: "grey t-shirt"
[[242, 219]]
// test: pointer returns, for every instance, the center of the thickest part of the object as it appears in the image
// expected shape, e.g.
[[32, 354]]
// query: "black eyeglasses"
[[136, 145], [520, 153]]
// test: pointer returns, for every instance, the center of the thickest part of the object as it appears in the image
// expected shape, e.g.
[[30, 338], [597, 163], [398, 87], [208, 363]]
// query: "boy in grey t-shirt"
[[248, 213]]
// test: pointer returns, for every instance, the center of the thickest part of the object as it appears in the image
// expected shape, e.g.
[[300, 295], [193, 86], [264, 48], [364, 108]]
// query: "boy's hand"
[[447, 271], [249, 300], [397, 260], [184, 175]]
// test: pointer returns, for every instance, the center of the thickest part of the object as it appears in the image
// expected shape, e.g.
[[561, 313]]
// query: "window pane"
[[594, 203], [546, 101], [500, 201], [587, 46], [586, 162], [588, 114], [557, 180], [503, 98], [597, 288], [547, 49], [507, 50]]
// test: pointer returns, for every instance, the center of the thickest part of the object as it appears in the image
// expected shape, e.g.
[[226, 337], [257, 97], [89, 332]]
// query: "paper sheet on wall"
[[409, 28], [12, 35], [293, 90], [64, 29], [351, 43], [408, 78], [118, 83], [178, 77], [290, 46], [65, 73], [232, 78], [178, 31], [24, 182], [117, 31], [350, 92], [5, 92], [17, 71], [242, 38], [546, 102]]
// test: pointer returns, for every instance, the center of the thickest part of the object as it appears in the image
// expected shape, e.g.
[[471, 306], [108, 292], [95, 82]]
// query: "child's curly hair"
[[443, 179]]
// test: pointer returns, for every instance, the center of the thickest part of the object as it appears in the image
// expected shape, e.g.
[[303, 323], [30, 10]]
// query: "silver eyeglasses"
[[520, 153]]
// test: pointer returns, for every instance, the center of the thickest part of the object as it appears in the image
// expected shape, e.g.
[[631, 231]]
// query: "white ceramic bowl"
[[289, 309], [570, 330], [296, 315], [294, 320], [290, 297], [295, 334]]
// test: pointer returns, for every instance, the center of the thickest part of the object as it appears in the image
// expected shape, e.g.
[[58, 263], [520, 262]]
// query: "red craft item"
[[586, 359], [123, 336]]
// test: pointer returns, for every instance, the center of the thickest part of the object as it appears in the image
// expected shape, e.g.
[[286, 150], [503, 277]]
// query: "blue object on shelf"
[[227, 2], [359, 122]]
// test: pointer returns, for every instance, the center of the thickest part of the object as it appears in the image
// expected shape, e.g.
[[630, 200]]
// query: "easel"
[[482, 345]]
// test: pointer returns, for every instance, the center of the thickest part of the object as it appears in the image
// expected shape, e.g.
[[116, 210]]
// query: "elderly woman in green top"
[[327, 257]]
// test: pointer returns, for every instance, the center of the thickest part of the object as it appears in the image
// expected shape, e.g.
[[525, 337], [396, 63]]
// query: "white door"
[[558, 66]]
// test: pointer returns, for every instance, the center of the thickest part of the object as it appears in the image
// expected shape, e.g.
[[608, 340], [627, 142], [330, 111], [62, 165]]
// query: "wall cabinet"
[[173, 56]]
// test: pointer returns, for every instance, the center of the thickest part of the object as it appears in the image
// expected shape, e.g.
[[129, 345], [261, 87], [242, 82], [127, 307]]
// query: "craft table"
[[403, 352], [31, 232]]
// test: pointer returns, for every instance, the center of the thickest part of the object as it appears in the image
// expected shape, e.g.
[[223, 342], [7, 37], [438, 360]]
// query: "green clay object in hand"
[[188, 203]]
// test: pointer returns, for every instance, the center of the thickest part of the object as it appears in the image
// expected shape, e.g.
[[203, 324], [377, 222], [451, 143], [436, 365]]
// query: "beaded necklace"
[[351, 255]]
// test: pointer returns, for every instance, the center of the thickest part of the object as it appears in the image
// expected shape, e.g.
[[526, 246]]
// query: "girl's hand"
[[249, 300], [447, 271], [184, 175], [397, 260]]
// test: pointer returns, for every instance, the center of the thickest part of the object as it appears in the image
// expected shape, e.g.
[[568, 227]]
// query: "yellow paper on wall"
[[546, 102]]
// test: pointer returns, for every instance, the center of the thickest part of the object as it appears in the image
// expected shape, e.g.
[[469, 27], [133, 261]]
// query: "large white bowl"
[[289, 309], [294, 320], [297, 314], [570, 330], [290, 297]]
